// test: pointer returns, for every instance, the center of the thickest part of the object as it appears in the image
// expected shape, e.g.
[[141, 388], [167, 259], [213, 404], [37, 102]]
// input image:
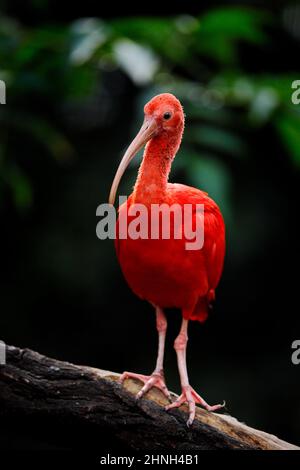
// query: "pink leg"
[[156, 379], [188, 393]]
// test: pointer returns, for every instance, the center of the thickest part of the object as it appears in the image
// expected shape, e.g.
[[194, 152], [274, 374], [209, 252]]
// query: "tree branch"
[[68, 404]]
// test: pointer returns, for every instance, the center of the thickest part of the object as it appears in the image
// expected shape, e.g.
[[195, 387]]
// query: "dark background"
[[77, 79]]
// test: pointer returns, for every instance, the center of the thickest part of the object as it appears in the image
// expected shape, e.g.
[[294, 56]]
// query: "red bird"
[[163, 271]]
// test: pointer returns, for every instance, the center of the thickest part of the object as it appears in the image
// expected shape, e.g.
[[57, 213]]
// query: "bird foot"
[[156, 379], [190, 397]]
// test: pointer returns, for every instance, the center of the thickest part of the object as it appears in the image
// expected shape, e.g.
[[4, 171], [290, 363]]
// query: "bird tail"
[[200, 312]]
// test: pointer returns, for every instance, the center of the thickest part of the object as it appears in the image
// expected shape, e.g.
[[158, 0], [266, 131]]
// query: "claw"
[[190, 397], [189, 422], [155, 380]]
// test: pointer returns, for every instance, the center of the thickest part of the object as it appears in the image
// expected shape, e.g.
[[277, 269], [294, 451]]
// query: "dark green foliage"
[[197, 58]]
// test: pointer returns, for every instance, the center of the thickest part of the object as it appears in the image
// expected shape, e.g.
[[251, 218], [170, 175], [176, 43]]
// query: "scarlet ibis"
[[163, 271]]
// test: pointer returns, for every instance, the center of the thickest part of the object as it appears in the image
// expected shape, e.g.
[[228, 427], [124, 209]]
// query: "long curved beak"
[[146, 132]]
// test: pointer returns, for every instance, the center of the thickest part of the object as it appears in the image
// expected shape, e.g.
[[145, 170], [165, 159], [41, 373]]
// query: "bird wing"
[[214, 228], [214, 243]]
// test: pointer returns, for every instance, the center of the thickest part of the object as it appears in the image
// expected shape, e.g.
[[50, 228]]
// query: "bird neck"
[[152, 180]]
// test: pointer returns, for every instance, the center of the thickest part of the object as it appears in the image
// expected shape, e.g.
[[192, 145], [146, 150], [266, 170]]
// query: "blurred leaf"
[[87, 35], [20, 186], [37, 42], [161, 34], [263, 105], [234, 22], [216, 139], [288, 126], [139, 62], [242, 90], [222, 28], [222, 116], [153, 31], [80, 82]]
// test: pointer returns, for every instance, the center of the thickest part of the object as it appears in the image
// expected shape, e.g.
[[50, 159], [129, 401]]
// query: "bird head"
[[164, 117], [166, 112]]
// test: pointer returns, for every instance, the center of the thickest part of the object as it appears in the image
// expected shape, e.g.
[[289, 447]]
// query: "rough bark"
[[66, 405]]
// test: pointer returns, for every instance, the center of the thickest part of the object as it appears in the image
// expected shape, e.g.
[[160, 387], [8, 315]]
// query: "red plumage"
[[163, 271]]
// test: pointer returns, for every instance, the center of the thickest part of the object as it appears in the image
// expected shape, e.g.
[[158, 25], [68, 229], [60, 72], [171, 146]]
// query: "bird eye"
[[167, 115]]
